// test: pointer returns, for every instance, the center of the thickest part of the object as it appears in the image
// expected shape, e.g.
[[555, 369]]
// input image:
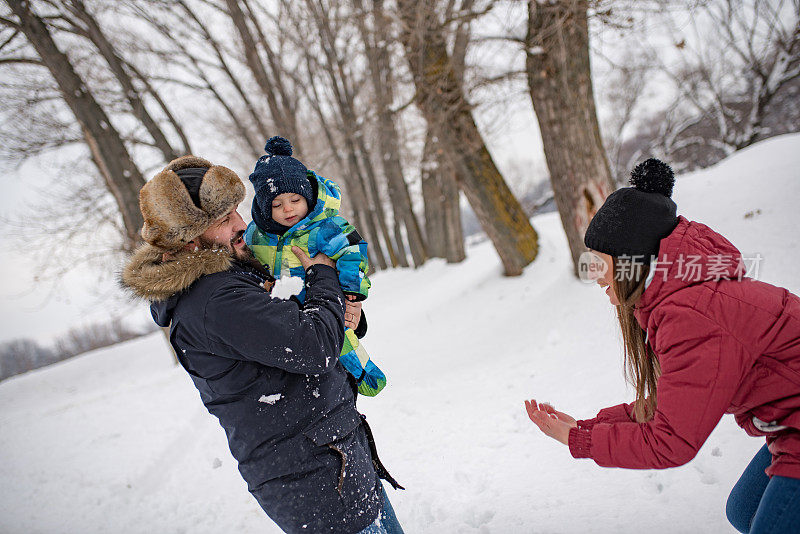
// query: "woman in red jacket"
[[701, 340]]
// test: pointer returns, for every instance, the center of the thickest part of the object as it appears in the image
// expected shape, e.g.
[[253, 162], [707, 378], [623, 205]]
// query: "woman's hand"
[[352, 312], [550, 421]]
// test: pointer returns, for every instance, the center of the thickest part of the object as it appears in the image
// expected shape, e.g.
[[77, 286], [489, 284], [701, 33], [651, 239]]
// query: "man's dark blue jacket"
[[268, 369]]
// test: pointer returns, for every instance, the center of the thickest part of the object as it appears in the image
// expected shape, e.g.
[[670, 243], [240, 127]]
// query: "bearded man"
[[267, 368]]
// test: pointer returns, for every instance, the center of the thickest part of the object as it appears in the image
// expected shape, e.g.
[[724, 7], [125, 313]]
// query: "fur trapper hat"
[[185, 198]]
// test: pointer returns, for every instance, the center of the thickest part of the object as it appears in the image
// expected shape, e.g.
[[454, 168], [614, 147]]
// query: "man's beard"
[[244, 256]]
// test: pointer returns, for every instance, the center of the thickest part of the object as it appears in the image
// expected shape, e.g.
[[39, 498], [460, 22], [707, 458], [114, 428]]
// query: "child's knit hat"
[[633, 220], [275, 173]]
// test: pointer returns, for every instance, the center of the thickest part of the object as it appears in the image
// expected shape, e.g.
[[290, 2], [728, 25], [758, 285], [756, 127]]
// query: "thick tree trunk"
[[560, 83], [122, 177], [95, 34], [444, 106], [433, 198]]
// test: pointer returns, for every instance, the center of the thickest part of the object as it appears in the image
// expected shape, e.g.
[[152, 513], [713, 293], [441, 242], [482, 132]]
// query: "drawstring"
[[376, 462], [344, 464]]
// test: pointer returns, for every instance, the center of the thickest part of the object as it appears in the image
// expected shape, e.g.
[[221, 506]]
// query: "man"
[[266, 368]]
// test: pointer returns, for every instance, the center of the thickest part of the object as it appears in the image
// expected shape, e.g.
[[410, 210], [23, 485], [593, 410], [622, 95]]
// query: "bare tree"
[[442, 101], [187, 51], [377, 52], [18, 356], [108, 151], [732, 61], [84, 23], [622, 90], [440, 190], [269, 80], [329, 63], [442, 211], [21, 355], [560, 82]]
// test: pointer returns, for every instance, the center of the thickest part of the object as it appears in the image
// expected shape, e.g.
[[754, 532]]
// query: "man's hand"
[[306, 262], [352, 312], [550, 421]]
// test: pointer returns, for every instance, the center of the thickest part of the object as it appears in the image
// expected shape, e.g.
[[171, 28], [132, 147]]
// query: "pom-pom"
[[653, 176], [278, 146]]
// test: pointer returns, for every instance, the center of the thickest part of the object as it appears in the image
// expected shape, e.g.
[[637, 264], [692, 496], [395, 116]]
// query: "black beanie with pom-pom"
[[633, 220]]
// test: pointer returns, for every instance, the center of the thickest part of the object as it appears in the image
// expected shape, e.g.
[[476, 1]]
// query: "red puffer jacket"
[[726, 344]]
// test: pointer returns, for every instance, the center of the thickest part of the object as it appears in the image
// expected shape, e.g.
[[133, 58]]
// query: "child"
[[294, 206], [699, 342]]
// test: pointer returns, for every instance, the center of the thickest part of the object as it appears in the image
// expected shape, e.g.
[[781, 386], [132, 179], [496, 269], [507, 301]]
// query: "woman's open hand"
[[550, 421]]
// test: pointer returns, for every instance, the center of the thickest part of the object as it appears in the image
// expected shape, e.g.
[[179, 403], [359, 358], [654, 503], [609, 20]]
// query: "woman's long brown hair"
[[641, 365]]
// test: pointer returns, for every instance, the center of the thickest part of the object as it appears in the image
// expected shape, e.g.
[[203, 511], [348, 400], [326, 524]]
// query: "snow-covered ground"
[[118, 441]]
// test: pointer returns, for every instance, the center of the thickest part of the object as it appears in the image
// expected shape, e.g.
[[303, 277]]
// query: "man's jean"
[[759, 504], [386, 522]]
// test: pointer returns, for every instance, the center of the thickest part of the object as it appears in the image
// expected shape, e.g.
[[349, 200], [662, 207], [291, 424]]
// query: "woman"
[[700, 341]]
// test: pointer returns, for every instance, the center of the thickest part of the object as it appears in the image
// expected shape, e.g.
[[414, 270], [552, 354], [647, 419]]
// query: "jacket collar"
[[150, 278]]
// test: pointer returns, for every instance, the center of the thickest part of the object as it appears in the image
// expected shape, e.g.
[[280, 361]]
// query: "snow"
[[286, 287], [117, 440], [270, 399]]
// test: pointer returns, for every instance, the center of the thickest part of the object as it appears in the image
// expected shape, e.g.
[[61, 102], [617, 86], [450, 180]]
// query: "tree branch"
[[25, 60]]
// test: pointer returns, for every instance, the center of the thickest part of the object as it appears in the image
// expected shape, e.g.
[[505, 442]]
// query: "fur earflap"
[[148, 277], [171, 219]]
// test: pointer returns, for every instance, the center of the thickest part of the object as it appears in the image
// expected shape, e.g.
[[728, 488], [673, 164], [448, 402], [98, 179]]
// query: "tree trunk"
[[350, 127], [262, 130], [278, 76], [402, 254], [122, 177], [444, 106], [95, 34], [187, 149], [375, 204], [358, 197], [560, 83], [432, 197], [283, 118], [445, 235], [388, 139]]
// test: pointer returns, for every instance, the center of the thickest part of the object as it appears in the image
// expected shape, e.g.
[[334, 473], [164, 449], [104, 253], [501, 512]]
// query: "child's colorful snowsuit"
[[324, 230]]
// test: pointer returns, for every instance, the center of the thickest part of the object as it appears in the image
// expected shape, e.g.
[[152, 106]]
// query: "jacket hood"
[[149, 278], [692, 254], [329, 200]]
